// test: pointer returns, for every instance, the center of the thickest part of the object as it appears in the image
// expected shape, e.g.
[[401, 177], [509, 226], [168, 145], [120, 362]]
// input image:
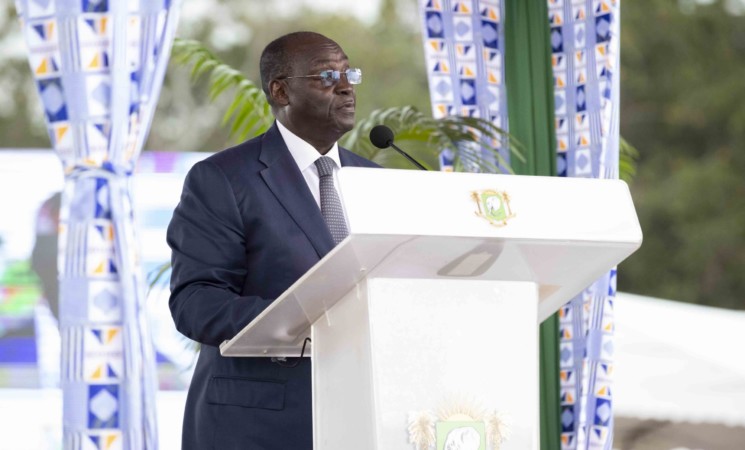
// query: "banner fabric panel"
[[586, 60], [98, 66], [584, 54]]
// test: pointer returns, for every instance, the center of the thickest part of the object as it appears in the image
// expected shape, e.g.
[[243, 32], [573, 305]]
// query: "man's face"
[[315, 112]]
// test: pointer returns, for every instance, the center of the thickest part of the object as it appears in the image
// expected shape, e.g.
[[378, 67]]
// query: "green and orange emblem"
[[493, 206]]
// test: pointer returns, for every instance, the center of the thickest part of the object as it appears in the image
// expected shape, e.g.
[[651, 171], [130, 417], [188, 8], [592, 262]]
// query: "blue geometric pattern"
[[465, 68], [464, 57], [97, 119], [103, 406], [52, 97], [585, 60]]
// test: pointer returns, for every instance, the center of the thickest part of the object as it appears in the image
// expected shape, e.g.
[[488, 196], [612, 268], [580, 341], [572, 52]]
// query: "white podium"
[[424, 321]]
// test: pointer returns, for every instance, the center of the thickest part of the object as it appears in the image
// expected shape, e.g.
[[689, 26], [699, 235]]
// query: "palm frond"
[[249, 113], [474, 142], [159, 276], [628, 156]]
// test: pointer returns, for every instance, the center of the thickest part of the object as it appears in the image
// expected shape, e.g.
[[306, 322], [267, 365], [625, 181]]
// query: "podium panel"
[[457, 352], [424, 320]]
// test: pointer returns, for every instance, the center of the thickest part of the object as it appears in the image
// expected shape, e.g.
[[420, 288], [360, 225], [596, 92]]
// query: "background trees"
[[683, 107]]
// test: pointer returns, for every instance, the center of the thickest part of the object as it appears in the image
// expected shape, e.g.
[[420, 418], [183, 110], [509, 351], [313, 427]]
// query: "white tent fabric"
[[679, 362], [674, 362]]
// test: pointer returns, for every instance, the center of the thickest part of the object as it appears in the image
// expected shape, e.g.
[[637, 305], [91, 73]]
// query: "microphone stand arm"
[[413, 161]]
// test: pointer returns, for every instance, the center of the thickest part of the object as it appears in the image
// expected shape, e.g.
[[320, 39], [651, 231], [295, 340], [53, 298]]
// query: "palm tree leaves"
[[628, 155], [249, 113], [470, 140]]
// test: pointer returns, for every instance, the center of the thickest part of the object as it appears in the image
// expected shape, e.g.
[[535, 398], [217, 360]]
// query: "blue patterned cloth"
[[463, 42], [585, 60], [98, 66], [464, 51]]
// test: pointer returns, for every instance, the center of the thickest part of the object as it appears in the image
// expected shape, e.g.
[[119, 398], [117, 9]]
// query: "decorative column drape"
[[512, 35], [560, 98], [98, 66], [530, 107], [586, 61], [463, 47]]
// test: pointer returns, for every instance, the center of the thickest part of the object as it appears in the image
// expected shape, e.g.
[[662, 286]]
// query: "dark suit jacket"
[[246, 228]]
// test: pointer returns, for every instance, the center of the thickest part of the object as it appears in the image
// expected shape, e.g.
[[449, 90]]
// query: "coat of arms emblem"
[[493, 206], [459, 427]]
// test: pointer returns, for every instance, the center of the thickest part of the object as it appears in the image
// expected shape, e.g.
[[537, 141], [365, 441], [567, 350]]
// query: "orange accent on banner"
[[60, 132], [99, 269], [111, 334], [462, 8], [42, 67], [95, 63]]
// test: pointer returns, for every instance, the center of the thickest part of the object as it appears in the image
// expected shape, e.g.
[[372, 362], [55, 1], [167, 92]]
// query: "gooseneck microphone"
[[382, 137]]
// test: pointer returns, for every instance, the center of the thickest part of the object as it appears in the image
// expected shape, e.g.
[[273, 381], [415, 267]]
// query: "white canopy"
[[678, 362]]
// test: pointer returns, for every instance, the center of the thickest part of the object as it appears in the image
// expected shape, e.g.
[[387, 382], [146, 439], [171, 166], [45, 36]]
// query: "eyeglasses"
[[331, 77]]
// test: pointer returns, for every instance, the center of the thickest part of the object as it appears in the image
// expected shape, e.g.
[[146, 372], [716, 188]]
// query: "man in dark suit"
[[249, 225]]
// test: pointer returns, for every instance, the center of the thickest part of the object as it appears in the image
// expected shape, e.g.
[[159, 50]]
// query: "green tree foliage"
[[249, 114], [683, 86], [21, 118], [388, 50]]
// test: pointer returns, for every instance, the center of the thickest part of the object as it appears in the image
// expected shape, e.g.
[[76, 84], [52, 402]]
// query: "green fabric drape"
[[530, 90], [530, 102]]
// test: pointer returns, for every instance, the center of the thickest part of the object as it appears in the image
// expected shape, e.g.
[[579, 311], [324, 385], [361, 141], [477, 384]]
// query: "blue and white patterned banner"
[[98, 66], [463, 47], [585, 59]]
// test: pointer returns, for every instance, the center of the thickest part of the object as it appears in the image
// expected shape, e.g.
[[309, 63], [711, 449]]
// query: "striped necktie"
[[331, 208]]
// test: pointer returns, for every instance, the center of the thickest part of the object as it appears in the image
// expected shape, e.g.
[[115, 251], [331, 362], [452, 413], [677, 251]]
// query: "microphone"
[[382, 137]]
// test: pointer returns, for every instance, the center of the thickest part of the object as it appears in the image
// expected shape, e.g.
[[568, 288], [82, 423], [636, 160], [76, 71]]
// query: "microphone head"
[[381, 136]]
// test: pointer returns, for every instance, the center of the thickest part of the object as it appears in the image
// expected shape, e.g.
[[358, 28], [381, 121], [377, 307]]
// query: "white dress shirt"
[[305, 156]]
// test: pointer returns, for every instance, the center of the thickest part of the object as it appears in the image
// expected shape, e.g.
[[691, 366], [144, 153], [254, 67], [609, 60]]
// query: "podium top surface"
[[406, 202], [560, 233]]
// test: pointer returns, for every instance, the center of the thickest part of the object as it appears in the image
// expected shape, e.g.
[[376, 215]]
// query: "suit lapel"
[[344, 158], [287, 183], [348, 158]]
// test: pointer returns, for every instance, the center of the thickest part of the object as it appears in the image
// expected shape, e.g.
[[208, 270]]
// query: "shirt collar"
[[302, 152]]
